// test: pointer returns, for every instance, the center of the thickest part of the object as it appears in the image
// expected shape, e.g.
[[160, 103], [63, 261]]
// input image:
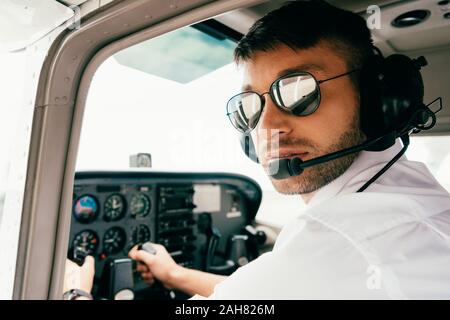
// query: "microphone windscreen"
[[279, 169]]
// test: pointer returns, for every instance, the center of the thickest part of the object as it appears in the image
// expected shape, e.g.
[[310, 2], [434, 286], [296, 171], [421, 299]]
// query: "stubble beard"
[[318, 176]]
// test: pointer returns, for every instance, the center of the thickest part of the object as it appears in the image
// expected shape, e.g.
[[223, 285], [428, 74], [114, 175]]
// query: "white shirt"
[[391, 241]]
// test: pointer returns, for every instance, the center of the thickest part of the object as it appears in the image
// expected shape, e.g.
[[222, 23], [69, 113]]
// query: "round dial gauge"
[[87, 241], [140, 234], [114, 240], [140, 205], [114, 208], [85, 209]]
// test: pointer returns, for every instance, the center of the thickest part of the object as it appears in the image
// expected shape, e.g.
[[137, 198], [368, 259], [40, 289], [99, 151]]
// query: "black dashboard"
[[203, 219]]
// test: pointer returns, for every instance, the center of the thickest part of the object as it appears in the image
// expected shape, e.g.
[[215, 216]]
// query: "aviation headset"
[[391, 106]]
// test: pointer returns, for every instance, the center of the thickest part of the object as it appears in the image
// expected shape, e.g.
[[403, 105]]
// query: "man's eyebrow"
[[301, 67], [308, 67]]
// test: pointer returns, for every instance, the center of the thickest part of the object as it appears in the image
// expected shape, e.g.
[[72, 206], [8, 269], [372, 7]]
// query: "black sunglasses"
[[297, 93]]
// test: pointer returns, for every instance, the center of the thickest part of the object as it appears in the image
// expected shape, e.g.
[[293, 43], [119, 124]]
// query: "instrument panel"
[[109, 220], [113, 211]]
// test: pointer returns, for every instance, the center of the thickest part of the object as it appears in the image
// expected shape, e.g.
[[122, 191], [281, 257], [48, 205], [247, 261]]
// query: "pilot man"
[[376, 225]]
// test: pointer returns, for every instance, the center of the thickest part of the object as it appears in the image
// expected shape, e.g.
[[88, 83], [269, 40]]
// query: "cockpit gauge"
[[86, 241], [140, 205], [114, 208], [85, 209], [140, 234], [114, 240]]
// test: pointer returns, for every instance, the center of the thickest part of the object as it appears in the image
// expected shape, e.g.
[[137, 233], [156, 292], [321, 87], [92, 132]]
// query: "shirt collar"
[[366, 164]]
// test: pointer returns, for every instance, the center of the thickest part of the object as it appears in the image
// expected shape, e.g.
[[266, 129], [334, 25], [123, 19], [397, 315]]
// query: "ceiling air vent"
[[410, 18]]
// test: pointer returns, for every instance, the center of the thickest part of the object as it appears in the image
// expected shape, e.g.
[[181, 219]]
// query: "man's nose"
[[275, 119]]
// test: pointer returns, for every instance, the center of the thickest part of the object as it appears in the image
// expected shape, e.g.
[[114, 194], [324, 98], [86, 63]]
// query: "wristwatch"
[[75, 293]]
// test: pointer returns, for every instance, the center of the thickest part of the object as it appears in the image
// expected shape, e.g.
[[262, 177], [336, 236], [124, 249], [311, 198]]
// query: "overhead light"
[[410, 18]]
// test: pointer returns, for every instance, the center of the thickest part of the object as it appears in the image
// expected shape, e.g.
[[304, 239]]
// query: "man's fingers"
[[70, 264], [88, 265], [155, 246], [142, 256], [142, 268], [133, 252], [89, 262], [147, 276]]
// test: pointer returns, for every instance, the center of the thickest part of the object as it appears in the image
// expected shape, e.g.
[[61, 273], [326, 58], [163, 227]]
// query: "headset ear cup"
[[391, 92], [402, 92], [248, 146], [371, 115]]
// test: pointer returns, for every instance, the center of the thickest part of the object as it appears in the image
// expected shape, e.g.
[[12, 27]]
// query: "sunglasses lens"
[[299, 94], [244, 111]]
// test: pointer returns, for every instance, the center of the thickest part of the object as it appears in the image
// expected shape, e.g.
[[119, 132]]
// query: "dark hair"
[[302, 24]]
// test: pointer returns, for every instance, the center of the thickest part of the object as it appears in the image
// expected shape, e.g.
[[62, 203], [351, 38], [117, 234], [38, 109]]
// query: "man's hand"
[[77, 277], [160, 265]]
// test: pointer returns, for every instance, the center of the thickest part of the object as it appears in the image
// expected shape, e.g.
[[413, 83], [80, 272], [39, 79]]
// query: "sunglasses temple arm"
[[338, 76]]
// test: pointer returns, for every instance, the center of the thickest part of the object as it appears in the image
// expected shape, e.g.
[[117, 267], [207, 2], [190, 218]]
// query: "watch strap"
[[72, 294]]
